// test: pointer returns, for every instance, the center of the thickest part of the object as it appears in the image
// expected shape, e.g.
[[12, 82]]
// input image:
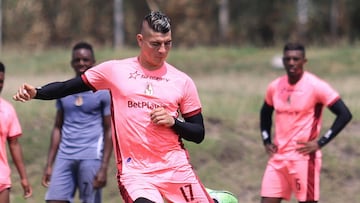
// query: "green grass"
[[231, 84]]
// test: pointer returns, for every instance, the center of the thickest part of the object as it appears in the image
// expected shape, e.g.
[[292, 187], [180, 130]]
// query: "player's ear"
[[139, 38]]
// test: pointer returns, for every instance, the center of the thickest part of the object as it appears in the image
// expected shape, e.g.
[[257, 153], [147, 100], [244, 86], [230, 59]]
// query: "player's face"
[[155, 47], [294, 61], [2, 79], [82, 59]]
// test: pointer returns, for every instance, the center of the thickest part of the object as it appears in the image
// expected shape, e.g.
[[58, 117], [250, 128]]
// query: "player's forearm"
[[108, 147], [343, 117], [16, 154], [266, 122], [192, 129], [57, 90], [54, 146]]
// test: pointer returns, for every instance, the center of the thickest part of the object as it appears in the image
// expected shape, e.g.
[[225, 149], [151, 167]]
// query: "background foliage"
[[44, 23], [231, 73]]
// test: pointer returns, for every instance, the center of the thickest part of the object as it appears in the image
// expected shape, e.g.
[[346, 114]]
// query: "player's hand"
[[25, 93], [100, 179], [271, 149], [46, 177], [306, 148], [160, 116], [27, 188]]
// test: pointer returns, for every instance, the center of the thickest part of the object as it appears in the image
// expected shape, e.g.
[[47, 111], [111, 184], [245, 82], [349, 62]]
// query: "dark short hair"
[[158, 21], [83, 45], [294, 46], [2, 67]]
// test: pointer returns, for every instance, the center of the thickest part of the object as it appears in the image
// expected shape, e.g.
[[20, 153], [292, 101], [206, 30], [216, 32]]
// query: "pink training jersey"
[[9, 128], [140, 145], [298, 112]]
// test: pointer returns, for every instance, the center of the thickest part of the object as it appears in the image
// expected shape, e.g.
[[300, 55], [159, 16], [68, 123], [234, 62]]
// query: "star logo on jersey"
[[134, 75]]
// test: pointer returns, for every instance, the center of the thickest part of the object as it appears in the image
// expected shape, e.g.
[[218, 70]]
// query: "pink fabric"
[[9, 128], [295, 107], [153, 186], [292, 176], [141, 146]]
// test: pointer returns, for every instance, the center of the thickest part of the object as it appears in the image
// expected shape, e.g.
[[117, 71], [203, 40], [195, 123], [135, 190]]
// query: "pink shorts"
[[301, 177], [182, 187], [4, 187]]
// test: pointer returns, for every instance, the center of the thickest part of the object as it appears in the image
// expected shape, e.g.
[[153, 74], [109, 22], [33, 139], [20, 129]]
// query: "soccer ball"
[[222, 196]]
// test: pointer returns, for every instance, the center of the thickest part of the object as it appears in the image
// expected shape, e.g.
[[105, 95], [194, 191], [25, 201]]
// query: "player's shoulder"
[[5, 103], [113, 63], [313, 79], [6, 107], [278, 81], [102, 94]]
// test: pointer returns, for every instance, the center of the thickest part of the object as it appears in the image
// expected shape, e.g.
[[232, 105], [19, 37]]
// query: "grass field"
[[231, 84]]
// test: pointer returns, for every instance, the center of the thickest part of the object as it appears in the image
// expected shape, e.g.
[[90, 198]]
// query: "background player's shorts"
[[301, 177], [178, 186], [70, 174]]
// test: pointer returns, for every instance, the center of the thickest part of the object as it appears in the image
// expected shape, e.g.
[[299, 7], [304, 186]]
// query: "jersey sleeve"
[[99, 76], [326, 94], [58, 104], [14, 128], [269, 94], [190, 104], [106, 103]]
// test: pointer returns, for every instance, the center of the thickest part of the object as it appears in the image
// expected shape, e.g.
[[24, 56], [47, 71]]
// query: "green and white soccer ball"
[[222, 196]]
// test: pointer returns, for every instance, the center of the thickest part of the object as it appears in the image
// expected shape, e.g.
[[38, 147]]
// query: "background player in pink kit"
[[10, 131], [298, 99], [148, 97]]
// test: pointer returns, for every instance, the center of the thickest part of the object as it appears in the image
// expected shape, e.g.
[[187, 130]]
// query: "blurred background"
[[46, 23], [231, 48]]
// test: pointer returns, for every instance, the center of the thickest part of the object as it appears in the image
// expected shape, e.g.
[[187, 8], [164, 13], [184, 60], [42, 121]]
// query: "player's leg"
[[275, 185], [62, 183], [306, 180], [86, 173], [182, 185], [5, 193], [184, 192], [138, 188], [123, 192]]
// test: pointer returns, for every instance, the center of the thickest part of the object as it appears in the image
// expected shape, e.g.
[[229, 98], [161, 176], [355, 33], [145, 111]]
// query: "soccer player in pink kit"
[[149, 96], [298, 99], [10, 131]]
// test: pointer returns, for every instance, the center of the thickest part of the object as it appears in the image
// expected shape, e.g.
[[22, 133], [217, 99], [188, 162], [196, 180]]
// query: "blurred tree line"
[[44, 23]]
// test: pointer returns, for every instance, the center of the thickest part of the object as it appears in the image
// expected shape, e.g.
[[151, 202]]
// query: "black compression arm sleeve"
[[192, 129], [266, 122], [343, 117], [57, 90]]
